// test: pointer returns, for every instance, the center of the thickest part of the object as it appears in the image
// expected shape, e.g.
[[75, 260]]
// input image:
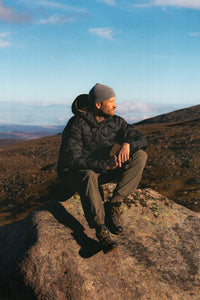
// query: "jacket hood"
[[82, 107], [81, 104]]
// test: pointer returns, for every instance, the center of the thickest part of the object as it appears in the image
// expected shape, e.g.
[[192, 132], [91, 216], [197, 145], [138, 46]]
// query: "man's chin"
[[112, 113]]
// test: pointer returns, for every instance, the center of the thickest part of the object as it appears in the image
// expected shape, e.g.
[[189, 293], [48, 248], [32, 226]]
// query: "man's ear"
[[98, 105]]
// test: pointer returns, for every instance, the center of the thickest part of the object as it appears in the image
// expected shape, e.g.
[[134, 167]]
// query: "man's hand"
[[123, 154], [121, 157], [112, 163]]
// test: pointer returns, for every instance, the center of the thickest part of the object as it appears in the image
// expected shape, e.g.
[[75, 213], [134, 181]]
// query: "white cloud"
[[109, 2], [59, 13], [8, 14], [194, 34], [104, 32], [57, 5], [62, 119], [57, 19], [142, 5], [4, 34], [135, 111], [3, 43], [133, 106], [193, 4], [179, 3]]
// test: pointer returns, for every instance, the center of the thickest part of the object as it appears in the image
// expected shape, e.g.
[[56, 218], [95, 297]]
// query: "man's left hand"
[[123, 154]]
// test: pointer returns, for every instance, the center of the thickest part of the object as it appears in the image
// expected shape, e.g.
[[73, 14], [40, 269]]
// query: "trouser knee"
[[139, 158], [90, 174], [90, 177], [142, 156]]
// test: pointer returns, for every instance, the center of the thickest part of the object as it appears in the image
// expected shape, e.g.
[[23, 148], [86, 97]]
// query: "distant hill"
[[181, 115], [26, 132]]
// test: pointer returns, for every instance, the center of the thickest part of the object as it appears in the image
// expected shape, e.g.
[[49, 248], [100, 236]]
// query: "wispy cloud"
[[59, 113], [3, 43], [57, 5], [179, 3], [49, 12], [8, 14], [35, 113], [133, 106], [195, 34], [192, 4], [135, 111], [4, 34], [142, 5], [109, 2], [104, 32], [58, 19], [58, 13]]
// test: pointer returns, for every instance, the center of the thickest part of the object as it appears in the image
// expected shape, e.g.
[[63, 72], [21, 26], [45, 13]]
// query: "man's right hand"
[[112, 163]]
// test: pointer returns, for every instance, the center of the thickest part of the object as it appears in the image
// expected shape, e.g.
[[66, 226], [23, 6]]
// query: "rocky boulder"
[[53, 254]]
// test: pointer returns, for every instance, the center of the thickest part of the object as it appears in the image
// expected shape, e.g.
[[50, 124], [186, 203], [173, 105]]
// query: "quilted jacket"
[[86, 144]]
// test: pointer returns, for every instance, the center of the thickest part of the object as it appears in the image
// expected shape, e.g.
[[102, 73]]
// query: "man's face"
[[108, 106]]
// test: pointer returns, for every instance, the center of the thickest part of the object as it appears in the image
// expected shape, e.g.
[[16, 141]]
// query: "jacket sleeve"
[[128, 134], [72, 154]]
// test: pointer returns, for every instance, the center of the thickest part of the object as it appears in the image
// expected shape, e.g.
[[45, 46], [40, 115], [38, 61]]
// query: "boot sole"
[[105, 251]]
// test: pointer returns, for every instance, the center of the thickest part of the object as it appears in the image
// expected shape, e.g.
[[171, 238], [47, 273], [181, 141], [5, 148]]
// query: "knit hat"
[[100, 93]]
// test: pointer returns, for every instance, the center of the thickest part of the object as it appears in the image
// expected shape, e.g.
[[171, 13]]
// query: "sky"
[[51, 51]]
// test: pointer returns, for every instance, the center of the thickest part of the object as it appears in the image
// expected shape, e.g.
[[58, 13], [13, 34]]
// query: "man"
[[84, 160]]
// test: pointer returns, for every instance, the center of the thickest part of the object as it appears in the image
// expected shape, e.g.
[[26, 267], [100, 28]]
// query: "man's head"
[[102, 97]]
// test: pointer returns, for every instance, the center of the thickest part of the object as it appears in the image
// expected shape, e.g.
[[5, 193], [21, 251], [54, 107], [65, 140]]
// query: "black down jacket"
[[86, 144]]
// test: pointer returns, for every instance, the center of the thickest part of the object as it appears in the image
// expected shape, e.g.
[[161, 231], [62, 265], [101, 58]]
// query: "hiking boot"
[[114, 214], [104, 238]]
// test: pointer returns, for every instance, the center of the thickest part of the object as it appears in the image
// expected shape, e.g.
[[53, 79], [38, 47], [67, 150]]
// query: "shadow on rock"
[[15, 241], [89, 246]]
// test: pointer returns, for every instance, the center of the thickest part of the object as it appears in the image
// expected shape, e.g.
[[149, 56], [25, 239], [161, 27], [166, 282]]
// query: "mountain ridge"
[[26, 132], [180, 115]]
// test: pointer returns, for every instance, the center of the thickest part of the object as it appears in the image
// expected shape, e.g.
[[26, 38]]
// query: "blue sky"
[[51, 51]]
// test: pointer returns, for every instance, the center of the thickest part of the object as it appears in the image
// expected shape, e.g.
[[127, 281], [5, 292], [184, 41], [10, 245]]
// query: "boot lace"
[[116, 213], [105, 237]]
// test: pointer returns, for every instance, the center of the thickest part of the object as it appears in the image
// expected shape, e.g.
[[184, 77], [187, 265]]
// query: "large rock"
[[53, 254]]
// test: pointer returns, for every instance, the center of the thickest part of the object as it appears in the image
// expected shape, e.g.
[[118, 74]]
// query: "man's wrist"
[[126, 144]]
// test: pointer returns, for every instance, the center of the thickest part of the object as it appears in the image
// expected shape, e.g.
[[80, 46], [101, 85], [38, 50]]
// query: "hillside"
[[173, 167], [28, 169], [181, 115], [26, 173], [9, 141]]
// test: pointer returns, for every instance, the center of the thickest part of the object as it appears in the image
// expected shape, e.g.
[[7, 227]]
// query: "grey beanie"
[[100, 93]]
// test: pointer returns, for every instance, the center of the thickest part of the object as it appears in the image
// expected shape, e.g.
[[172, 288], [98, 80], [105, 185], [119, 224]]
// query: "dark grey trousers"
[[87, 182]]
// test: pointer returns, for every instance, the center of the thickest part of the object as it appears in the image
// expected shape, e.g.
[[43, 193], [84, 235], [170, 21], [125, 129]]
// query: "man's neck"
[[98, 115], [99, 118]]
